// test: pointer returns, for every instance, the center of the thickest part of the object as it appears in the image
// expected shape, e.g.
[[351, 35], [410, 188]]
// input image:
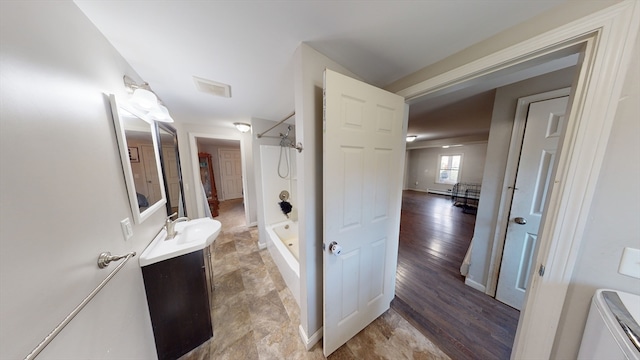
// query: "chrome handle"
[[520, 220]]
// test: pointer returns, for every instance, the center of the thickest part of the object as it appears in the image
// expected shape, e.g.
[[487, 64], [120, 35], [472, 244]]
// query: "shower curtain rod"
[[280, 122]]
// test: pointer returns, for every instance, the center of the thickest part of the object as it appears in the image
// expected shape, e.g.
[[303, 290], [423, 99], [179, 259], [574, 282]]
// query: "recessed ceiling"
[[471, 104], [250, 44]]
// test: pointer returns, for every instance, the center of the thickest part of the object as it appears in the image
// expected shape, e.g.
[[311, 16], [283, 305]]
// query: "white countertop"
[[190, 236]]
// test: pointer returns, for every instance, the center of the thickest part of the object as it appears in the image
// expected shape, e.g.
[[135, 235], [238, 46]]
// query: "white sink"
[[190, 236]]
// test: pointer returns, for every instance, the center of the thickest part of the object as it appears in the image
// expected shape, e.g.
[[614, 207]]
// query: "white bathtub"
[[283, 246]]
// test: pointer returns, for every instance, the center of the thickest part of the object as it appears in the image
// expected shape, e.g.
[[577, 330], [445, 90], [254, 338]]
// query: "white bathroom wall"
[[62, 190]]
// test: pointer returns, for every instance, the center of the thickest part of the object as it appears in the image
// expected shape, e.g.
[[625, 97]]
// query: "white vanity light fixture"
[[143, 98], [142, 95], [161, 113], [411, 138], [242, 127]]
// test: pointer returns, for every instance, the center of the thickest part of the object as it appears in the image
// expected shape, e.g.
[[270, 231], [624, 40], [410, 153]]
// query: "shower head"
[[284, 138]]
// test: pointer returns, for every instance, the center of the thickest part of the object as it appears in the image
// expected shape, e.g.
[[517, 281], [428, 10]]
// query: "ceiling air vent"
[[212, 87]]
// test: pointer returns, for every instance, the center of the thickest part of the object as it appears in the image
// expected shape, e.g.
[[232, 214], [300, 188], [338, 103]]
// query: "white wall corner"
[[475, 285], [309, 341]]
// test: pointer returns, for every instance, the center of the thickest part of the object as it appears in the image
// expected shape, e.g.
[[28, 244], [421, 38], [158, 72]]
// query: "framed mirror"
[[170, 160], [138, 145]]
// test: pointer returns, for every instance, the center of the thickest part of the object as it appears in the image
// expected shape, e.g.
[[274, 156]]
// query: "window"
[[449, 169]]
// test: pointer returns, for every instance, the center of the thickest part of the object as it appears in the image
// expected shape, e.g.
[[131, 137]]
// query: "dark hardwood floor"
[[430, 292]]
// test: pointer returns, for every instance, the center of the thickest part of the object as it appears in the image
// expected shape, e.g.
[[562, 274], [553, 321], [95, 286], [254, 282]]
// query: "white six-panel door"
[[544, 128], [363, 161], [230, 173]]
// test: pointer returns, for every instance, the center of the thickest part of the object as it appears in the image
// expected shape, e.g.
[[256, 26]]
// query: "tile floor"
[[255, 316]]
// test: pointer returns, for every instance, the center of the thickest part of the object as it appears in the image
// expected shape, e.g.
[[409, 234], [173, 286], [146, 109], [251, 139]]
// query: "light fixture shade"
[[144, 98], [242, 127], [161, 113], [411, 138]]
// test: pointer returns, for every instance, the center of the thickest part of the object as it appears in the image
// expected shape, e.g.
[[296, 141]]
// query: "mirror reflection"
[[170, 159], [140, 159]]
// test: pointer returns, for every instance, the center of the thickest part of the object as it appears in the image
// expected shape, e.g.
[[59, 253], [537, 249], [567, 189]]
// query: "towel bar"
[[103, 260]]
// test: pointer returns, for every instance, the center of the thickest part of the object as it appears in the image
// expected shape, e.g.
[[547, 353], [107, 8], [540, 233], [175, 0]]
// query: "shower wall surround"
[[276, 161]]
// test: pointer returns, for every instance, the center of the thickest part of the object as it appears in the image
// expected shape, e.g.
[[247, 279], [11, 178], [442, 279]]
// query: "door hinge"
[[541, 270]]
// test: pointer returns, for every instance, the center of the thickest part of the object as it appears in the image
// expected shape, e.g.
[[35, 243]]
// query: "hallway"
[[430, 292], [255, 316]]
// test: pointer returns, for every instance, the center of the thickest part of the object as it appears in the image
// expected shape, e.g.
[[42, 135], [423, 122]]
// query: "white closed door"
[[362, 179], [148, 157], [544, 128], [230, 173]]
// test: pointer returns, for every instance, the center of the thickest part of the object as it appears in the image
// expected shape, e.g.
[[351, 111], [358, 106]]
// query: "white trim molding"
[[309, 341], [605, 40], [474, 284]]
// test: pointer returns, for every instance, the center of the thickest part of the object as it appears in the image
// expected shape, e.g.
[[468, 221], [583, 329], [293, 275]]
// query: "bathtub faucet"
[[170, 225]]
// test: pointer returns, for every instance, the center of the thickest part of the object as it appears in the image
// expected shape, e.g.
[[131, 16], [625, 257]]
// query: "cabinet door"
[[179, 304]]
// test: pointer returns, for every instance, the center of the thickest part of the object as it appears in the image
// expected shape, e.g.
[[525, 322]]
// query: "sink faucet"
[[170, 225]]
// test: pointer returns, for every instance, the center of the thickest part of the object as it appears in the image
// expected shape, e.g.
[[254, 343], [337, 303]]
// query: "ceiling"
[[250, 45]]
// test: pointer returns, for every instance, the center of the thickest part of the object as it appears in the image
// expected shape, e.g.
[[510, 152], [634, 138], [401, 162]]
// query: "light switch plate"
[[127, 230], [630, 263]]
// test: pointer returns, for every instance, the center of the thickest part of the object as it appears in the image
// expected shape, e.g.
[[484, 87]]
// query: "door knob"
[[335, 249], [520, 220]]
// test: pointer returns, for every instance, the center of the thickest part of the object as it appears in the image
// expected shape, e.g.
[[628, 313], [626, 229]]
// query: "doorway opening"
[[435, 236], [220, 171]]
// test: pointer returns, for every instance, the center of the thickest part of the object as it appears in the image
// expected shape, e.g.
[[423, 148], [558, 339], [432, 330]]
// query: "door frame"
[[507, 295], [195, 166], [606, 40], [513, 160]]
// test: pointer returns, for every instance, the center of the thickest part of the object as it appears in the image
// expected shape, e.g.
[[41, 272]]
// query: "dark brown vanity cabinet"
[[178, 294]]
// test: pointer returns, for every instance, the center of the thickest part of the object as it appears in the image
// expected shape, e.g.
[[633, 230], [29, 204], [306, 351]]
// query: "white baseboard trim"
[[261, 245], [439, 192], [309, 341], [475, 285], [432, 191], [420, 190]]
